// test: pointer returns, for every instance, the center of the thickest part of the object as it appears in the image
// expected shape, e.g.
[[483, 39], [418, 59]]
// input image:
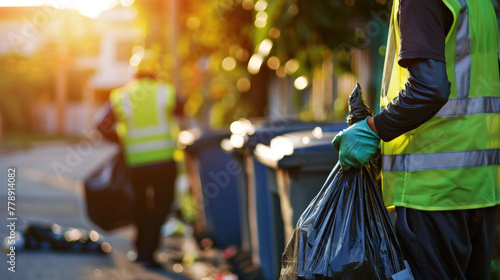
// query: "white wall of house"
[[115, 27], [19, 36]]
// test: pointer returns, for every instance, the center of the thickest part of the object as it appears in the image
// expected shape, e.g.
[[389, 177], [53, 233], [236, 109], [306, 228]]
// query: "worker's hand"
[[356, 145]]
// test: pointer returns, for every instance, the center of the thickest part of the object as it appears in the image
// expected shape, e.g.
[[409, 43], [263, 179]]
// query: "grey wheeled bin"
[[214, 176], [251, 133], [288, 174], [256, 226]]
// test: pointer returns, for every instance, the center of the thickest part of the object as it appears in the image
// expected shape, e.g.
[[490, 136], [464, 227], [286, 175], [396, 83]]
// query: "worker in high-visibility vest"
[[440, 131], [143, 113]]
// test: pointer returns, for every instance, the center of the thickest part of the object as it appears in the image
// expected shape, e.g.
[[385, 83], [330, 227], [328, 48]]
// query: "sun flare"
[[90, 8]]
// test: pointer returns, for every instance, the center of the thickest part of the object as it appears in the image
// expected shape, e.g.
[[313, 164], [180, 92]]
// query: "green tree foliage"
[[213, 32], [304, 29], [208, 33], [23, 79]]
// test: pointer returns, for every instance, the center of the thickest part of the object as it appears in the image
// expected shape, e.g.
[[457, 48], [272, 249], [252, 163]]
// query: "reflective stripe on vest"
[[145, 126], [444, 160], [430, 167], [470, 106], [151, 146]]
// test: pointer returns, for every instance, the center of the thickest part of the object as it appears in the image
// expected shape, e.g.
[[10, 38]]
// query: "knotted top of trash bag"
[[358, 110]]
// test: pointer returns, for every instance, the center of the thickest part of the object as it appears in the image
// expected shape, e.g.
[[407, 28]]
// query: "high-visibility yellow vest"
[[452, 161], [145, 123]]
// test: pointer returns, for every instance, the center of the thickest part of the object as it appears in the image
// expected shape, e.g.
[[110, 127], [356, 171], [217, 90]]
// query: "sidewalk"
[[49, 187]]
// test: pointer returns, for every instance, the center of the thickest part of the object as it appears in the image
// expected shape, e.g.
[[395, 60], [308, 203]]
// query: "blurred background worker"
[[143, 113], [441, 135]]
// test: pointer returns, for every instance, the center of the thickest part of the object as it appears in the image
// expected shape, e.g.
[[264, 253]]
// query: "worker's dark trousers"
[[154, 192], [447, 244]]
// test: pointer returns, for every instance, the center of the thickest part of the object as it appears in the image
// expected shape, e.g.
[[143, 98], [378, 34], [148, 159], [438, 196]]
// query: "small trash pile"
[[45, 235], [181, 253]]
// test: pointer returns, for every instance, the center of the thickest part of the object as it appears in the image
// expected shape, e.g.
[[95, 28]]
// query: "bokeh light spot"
[[255, 63], [261, 5], [280, 72], [260, 19], [274, 32], [193, 23], [265, 47], [381, 50], [229, 63], [291, 66], [293, 9], [178, 268], [243, 85], [273, 62], [93, 235], [135, 60], [301, 83], [247, 4], [106, 248]]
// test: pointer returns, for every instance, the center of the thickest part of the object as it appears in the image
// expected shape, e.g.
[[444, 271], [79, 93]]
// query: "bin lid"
[[266, 133], [197, 138], [260, 132], [300, 149]]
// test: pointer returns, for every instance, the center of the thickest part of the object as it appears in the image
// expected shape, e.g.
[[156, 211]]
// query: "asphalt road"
[[48, 187]]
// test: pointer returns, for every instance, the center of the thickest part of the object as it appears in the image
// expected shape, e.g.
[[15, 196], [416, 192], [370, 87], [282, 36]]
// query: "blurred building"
[[117, 35], [89, 57]]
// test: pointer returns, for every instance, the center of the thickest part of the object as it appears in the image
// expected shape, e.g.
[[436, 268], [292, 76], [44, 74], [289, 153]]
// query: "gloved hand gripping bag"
[[345, 232]]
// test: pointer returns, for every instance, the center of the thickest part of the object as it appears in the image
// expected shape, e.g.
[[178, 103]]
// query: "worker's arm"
[[105, 121], [426, 92], [423, 26]]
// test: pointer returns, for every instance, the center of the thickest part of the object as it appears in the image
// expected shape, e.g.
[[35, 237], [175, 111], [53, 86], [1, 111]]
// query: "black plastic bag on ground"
[[109, 196], [345, 232], [46, 235]]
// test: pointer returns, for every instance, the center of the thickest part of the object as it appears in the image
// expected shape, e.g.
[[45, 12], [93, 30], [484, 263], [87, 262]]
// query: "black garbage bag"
[[109, 196], [358, 110], [345, 232]]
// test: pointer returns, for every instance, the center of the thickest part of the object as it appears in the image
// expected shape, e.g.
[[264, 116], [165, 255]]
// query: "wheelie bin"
[[288, 172], [214, 176], [257, 235]]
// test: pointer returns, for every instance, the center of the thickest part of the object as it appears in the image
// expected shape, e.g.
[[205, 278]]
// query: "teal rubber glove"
[[356, 144]]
